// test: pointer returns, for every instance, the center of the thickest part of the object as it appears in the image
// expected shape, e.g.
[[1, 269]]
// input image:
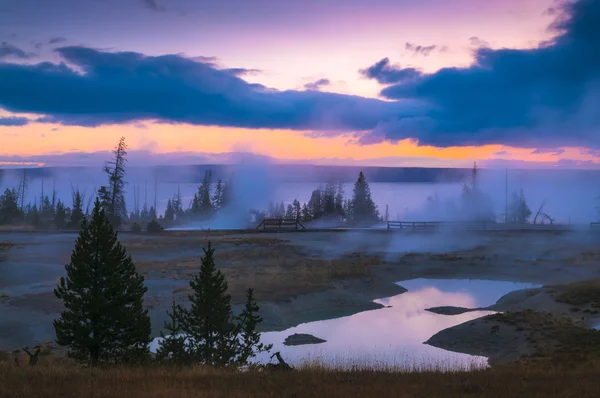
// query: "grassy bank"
[[67, 381]]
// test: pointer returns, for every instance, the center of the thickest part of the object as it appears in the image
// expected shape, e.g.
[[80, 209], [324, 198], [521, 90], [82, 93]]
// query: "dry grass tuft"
[[54, 379]]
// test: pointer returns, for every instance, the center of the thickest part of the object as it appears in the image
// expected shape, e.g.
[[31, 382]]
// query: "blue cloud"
[[543, 151], [418, 49], [242, 71], [93, 88], [317, 84], [8, 50], [153, 5], [56, 40], [508, 96], [385, 73], [13, 121]]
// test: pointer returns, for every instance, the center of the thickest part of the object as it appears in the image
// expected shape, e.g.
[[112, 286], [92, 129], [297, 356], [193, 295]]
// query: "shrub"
[[154, 227]]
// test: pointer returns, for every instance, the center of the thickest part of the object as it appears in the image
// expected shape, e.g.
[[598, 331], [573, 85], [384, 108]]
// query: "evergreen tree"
[[32, 215], [204, 206], [280, 210], [297, 212], [9, 207], [208, 323], [289, 212], [339, 200], [347, 209], [213, 335], [60, 216], [103, 321], [77, 212], [152, 213], [271, 210], [169, 212], [46, 209], [227, 196], [172, 347], [315, 204], [363, 209], [306, 214], [248, 343], [154, 227], [112, 196], [219, 195], [177, 203], [518, 210], [329, 200], [476, 204]]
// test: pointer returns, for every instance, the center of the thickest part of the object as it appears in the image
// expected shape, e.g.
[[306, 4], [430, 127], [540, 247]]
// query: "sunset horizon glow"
[[391, 84]]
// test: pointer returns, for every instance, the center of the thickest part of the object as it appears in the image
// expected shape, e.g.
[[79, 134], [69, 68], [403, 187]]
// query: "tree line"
[[327, 204]]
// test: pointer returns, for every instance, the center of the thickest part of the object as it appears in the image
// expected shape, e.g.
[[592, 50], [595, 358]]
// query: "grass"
[[56, 379], [553, 338], [4, 247], [276, 269], [586, 293]]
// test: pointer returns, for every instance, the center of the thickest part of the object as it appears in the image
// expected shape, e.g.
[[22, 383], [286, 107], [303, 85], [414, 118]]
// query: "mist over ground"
[[569, 196]]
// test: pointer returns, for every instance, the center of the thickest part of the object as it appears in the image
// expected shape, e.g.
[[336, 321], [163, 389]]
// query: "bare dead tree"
[[537, 214], [33, 358], [281, 365]]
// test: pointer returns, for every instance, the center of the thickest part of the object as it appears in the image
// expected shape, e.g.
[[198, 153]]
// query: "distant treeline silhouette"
[[328, 204]]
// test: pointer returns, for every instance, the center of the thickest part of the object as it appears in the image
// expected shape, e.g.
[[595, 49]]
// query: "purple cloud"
[[385, 73], [417, 49], [8, 50], [542, 151], [13, 121], [317, 84], [124, 87], [153, 5], [516, 97]]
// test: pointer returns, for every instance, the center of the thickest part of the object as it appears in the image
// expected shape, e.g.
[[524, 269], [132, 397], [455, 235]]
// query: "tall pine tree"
[[208, 322], [362, 208], [214, 335], [247, 337], [103, 321], [77, 212], [113, 194], [172, 346]]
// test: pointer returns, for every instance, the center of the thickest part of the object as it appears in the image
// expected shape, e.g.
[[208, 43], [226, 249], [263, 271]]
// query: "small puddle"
[[393, 337]]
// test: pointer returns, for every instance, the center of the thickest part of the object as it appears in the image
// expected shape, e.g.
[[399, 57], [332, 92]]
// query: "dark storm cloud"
[[13, 121], [317, 84], [549, 94], [8, 50], [94, 88], [385, 73]]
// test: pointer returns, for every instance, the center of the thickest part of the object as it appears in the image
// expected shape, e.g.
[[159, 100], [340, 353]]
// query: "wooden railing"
[[280, 223], [437, 225]]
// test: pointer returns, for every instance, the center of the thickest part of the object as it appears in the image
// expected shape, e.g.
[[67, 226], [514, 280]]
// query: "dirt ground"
[[301, 277]]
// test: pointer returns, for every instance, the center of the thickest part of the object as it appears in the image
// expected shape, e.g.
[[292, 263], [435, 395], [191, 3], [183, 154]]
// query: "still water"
[[394, 336]]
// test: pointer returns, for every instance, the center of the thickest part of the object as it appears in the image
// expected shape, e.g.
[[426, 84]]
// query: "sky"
[[433, 83]]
